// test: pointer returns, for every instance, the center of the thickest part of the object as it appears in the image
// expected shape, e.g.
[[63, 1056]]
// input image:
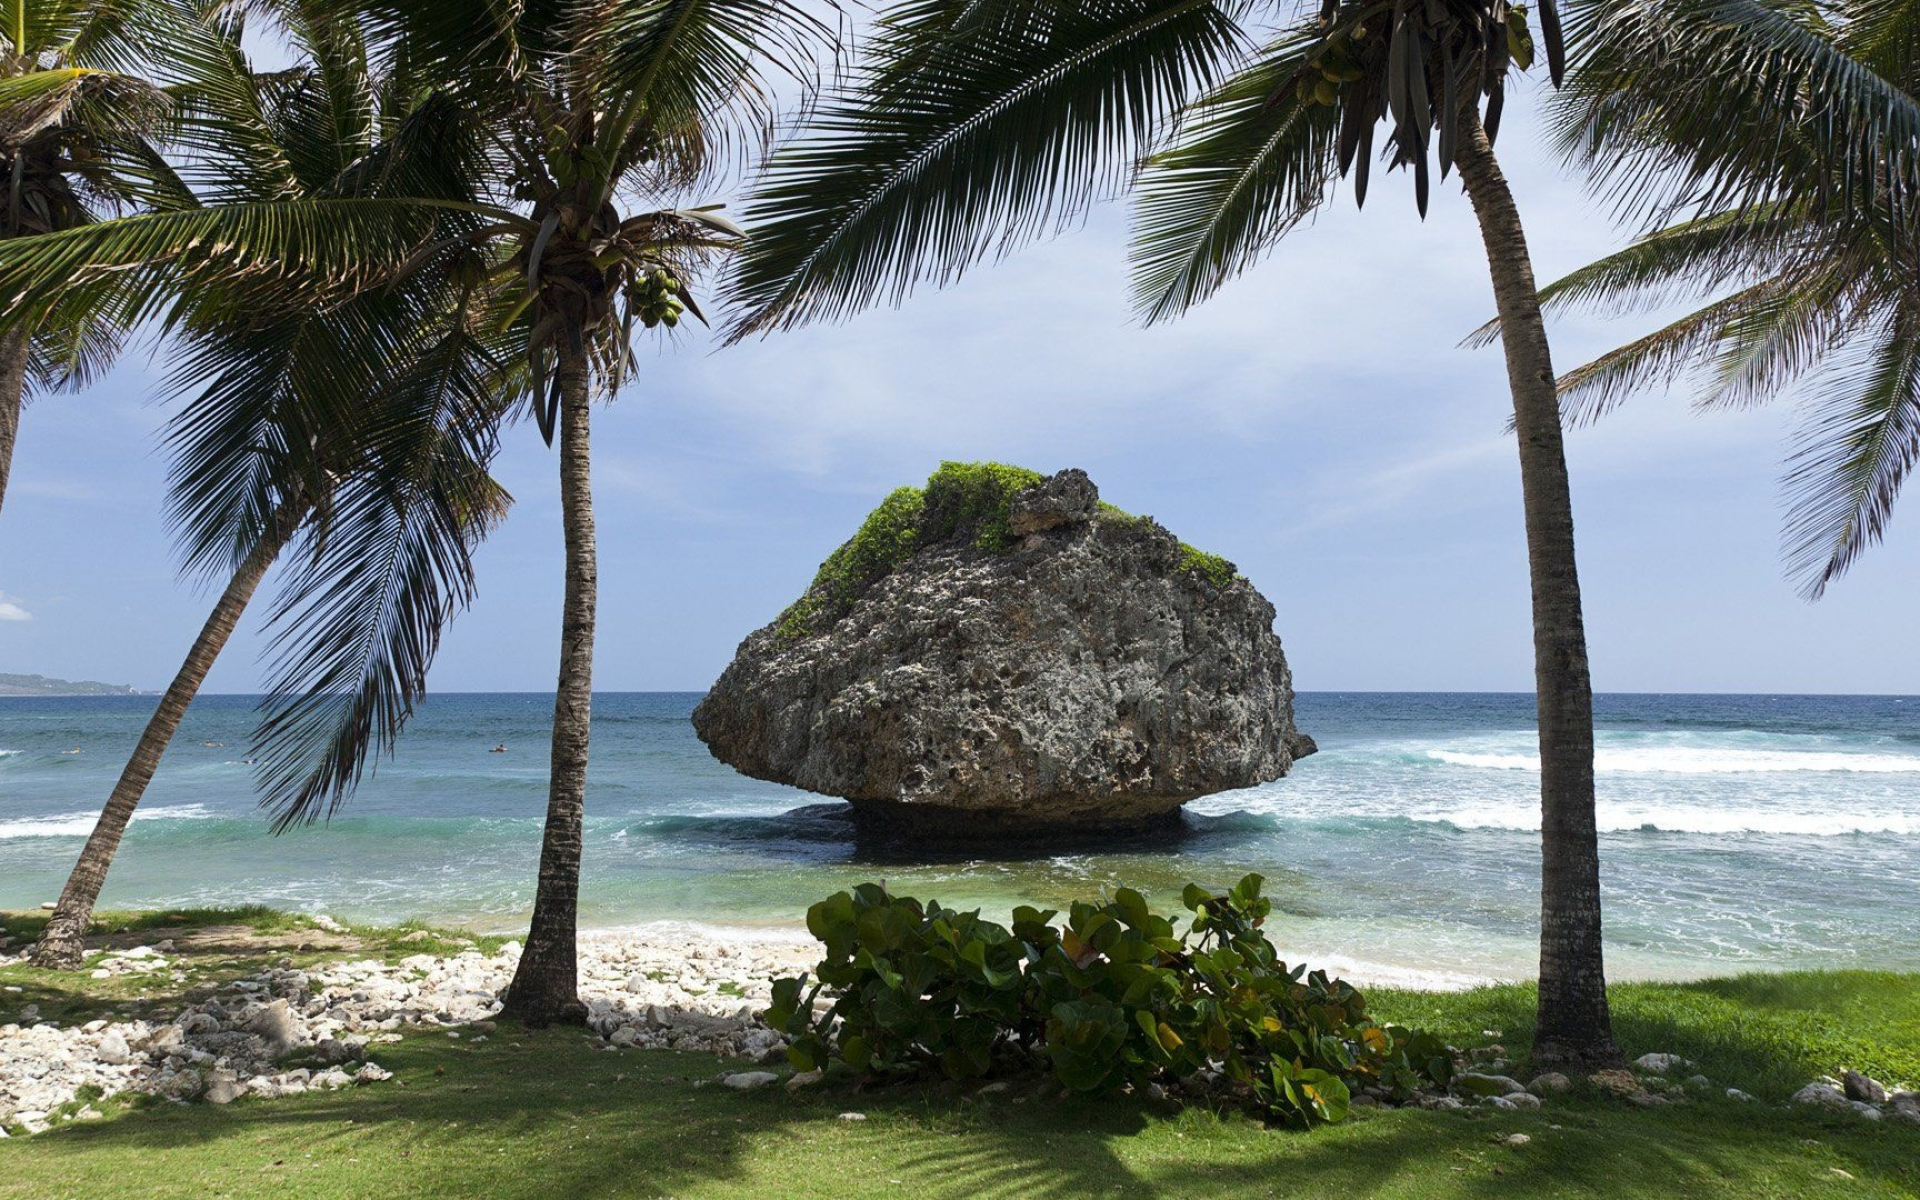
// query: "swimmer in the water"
[[500, 749], [75, 750]]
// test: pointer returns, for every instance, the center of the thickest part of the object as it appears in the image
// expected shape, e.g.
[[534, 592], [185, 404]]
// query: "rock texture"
[[1091, 673], [666, 987]]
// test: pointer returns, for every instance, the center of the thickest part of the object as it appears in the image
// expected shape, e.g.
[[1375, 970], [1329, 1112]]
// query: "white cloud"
[[1315, 422], [10, 609], [1392, 488]]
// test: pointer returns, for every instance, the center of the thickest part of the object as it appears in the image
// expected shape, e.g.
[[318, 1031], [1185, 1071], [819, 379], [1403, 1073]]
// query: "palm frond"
[[449, 39], [111, 35], [271, 415], [76, 343], [358, 386], [333, 120], [1686, 261], [1691, 259], [390, 563], [131, 173], [1884, 37], [231, 148], [1853, 458], [1795, 125], [342, 243], [692, 75], [1719, 104], [1252, 160], [975, 127], [1659, 359], [1766, 348], [39, 100]]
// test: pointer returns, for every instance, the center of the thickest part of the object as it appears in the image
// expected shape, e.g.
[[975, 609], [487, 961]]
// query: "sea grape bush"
[[1111, 996]]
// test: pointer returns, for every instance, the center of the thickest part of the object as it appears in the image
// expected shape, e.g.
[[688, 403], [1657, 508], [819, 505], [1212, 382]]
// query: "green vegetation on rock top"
[[972, 501], [962, 501], [887, 538], [1215, 569]]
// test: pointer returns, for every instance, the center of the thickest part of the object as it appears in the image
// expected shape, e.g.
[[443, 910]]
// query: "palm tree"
[[973, 127], [599, 118], [352, 423], [75, 118], [1787, 138], [590, 121], [62, 942]]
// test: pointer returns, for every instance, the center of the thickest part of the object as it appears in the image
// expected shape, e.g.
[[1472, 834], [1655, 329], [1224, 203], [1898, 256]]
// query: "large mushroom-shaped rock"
[[999, 653]]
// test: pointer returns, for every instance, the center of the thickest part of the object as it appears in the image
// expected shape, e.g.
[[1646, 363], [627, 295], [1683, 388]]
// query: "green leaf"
[[965, 991], [854, 1050], [1251, 161], [1132, 907], [971, 129]]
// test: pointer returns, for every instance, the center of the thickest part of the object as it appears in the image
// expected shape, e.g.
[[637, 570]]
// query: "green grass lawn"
[[550, 1114]]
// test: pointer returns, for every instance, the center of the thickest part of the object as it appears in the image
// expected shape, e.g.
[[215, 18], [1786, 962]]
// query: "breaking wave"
[[80, 824], [1695, 760], [1636, 818]]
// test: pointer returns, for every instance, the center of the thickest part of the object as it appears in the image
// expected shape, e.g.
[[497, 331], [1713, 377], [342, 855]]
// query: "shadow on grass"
[[553, 1114], [26, 925], [213, 945], [558, 1117], [210, 955], [1767, 1034]]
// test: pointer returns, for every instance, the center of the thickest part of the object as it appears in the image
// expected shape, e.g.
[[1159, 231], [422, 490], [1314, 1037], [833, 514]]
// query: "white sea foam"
[[80, 824], [746, 935], [1695, 760], [1366, 973], [1627, 818]]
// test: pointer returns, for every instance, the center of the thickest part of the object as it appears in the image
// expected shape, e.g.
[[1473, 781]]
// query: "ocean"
[[1740, 833]]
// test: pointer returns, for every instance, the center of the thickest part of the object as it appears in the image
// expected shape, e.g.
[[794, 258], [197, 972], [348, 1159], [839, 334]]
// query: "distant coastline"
[[45, 685]]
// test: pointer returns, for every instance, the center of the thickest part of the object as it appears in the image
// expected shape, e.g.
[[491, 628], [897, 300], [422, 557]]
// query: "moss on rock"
[[887, 538], [1211, 567], [962, 501], [973, 501]]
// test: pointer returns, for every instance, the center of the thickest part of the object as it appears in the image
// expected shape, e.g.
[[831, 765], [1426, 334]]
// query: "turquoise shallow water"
[[1741, 832]]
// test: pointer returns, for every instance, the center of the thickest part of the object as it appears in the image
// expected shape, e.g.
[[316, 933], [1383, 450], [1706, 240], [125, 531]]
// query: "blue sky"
[[1315, 423]]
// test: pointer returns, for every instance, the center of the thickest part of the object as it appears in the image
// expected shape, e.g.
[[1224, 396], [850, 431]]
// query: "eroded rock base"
[[932, 824]]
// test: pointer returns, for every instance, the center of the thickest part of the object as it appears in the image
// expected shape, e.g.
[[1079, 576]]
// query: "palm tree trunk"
[[1573, 1023], [61, 945], [545, 987], [15, 347]]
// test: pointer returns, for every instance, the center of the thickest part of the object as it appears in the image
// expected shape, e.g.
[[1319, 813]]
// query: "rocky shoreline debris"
[[1856, 1092], [1655, 1081], [286, 1030]]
